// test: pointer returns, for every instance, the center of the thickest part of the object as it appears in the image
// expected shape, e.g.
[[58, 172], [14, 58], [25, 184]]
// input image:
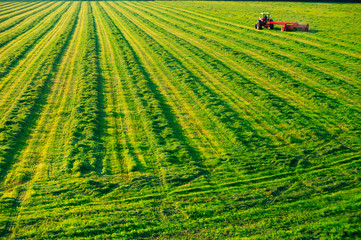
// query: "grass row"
[[17, 19], [25, 168], [243, 38], [15, 10], [85, 150], [22, 28], [121, 156], [179, 126], [27, 107], [308, 91], [171, 150], [20, 50], [191, 83], [189, 88], [245, 19], [11, 87]]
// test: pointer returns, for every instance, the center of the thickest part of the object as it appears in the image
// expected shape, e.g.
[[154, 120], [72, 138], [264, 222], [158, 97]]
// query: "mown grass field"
[[179, 120]]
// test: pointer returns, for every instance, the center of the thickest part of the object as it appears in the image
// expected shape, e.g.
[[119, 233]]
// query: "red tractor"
[[267, 22]]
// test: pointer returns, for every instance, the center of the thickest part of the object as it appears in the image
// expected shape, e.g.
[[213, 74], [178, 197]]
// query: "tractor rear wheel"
[[271, 26], [259, 25]]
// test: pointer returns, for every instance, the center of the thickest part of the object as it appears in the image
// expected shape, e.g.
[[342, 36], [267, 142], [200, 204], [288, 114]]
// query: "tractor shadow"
[[314, 31], [279, 29]]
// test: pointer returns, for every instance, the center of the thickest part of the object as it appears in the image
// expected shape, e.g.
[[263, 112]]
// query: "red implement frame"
[[289, 26]]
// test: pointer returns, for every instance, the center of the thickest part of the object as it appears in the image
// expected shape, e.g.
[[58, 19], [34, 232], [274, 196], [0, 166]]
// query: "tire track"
[[245, 205]]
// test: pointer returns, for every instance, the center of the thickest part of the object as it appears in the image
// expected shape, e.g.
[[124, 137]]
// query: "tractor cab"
[[265, 17], [264, 21]]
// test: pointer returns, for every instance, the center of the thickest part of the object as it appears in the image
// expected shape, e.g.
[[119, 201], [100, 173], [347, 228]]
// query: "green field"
[[179, 120]]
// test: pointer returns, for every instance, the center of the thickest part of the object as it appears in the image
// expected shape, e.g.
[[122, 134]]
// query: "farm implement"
[[267, 22]]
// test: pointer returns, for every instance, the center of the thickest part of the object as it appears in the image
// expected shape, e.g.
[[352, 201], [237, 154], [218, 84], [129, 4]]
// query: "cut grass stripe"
[[23, 116], [86, 150]]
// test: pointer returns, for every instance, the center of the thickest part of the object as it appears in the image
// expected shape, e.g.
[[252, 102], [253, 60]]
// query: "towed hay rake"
[[267, 22]]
